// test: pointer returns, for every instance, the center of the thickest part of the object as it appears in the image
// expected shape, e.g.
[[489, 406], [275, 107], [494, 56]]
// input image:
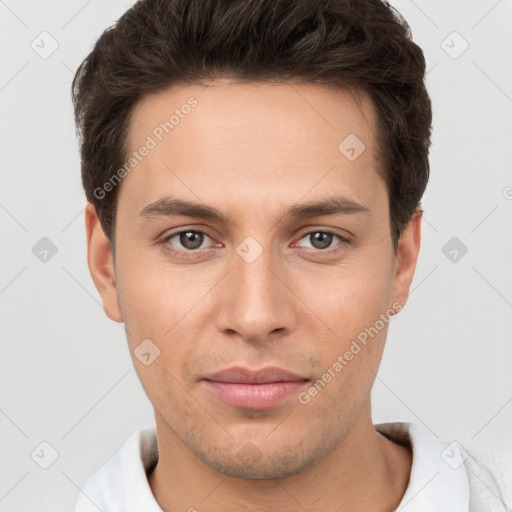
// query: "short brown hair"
[[364, 45]]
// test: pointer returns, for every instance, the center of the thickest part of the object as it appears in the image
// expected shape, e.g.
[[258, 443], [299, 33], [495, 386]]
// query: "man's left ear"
[[406, 257]]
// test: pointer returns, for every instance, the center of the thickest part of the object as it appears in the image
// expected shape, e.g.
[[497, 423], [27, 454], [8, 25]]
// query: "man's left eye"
[[322, 239]]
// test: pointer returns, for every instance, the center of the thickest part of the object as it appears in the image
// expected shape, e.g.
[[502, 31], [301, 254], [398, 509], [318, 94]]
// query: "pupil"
[[324, 240], [191, 239]]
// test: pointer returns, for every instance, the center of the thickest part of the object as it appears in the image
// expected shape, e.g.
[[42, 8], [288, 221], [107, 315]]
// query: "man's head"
[[363, 45], [257, 111]]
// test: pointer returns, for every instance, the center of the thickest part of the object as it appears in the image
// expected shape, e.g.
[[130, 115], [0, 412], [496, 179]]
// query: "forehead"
[[224, 104], [260, 140]]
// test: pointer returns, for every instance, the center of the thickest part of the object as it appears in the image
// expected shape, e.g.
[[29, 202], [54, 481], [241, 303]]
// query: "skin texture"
[[251, 151]]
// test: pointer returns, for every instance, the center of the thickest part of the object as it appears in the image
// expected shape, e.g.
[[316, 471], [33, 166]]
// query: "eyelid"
[[333, 231]]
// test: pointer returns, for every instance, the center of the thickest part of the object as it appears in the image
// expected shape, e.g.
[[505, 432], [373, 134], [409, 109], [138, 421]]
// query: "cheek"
[[351, 298], [166, 306], [154, 297], [156, 307], [351, 359], [355, 305]]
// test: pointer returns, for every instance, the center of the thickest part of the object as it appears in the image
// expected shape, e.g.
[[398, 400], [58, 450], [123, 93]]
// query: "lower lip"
[[255, 396]]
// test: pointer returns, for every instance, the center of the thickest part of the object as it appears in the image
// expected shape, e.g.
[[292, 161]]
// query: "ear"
[[406, 258], [101, 264]]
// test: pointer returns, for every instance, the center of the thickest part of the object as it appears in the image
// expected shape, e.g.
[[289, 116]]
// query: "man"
[[254, 171]]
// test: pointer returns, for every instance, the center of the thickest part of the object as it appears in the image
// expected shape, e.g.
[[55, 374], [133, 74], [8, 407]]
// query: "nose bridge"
[[258, 301], [253, 271]]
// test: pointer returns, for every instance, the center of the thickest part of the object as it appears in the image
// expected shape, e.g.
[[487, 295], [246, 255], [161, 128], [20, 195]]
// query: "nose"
[[256, 302]]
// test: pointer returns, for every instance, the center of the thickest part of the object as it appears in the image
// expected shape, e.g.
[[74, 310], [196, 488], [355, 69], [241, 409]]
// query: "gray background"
[[65, 372]]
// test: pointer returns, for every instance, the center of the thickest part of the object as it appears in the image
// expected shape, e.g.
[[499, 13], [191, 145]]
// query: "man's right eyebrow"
[[168, 207]]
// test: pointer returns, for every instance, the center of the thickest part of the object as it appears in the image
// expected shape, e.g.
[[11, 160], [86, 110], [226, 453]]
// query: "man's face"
[[261, 288]]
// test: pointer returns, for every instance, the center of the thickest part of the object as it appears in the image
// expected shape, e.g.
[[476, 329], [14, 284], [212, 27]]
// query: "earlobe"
[[407, 257], [101, 264]]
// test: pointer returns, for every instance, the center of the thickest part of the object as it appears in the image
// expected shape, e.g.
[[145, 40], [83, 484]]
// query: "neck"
[[364, 472]]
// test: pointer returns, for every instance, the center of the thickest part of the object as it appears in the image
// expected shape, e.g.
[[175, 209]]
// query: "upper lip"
[[241, 375]]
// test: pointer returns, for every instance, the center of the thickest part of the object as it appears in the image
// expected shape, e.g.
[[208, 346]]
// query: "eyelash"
[[191, 253]]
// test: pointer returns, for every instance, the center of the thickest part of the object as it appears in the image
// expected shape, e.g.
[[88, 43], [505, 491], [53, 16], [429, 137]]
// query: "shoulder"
[[121, 484], [444, 475], [484, 490]]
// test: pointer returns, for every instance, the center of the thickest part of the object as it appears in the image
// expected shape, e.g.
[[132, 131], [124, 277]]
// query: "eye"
[[190, 240], [322, 239]]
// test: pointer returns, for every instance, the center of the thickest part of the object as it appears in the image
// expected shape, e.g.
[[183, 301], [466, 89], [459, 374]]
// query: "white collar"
[[438, 479], [122, 485]]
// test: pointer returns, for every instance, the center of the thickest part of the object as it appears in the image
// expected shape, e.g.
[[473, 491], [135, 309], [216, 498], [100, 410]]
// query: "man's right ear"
[[101, 264]]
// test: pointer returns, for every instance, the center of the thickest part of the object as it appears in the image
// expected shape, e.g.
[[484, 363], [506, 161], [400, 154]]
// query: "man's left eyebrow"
[[337, 205]]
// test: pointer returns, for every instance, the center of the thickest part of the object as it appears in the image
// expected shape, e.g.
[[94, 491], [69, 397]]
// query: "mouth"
[[254, 389]]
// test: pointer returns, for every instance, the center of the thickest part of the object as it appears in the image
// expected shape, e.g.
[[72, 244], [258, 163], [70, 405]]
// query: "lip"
[[241, 375], [254, 389]]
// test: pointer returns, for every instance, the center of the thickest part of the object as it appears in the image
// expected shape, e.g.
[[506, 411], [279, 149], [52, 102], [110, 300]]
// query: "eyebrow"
[[338, 205]]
